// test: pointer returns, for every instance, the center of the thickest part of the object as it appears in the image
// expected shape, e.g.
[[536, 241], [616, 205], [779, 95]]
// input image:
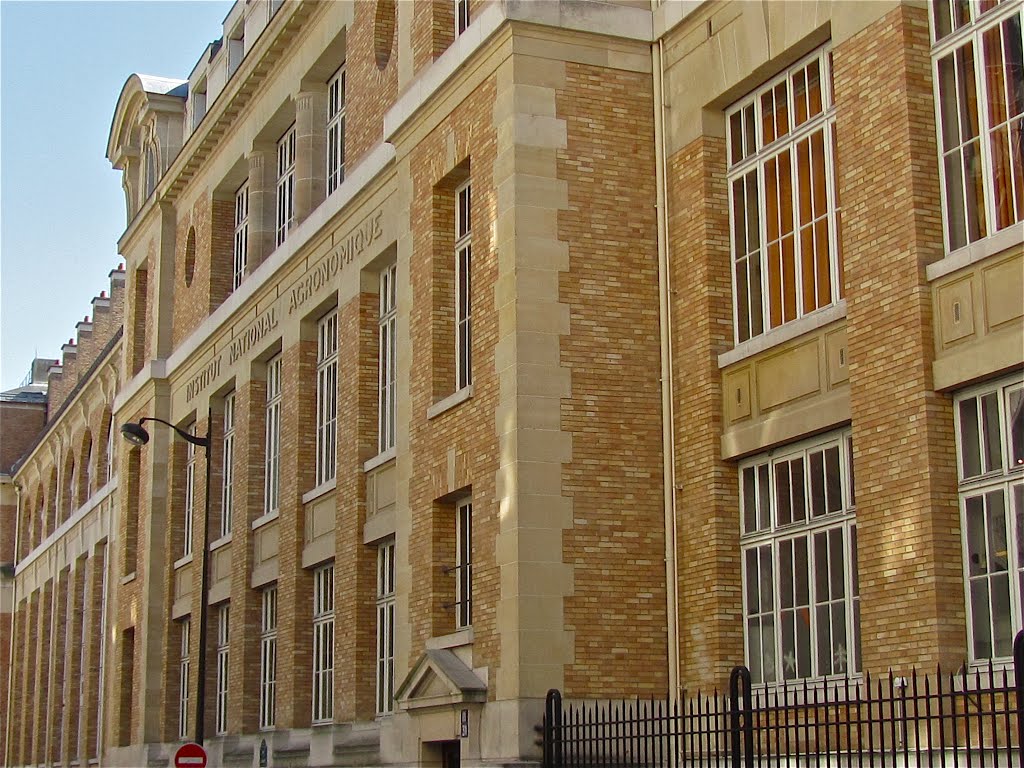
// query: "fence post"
[[1018, 681], [553, 729], [740, 675]]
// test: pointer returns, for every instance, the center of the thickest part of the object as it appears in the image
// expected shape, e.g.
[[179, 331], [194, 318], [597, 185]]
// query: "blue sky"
[[62, 66]]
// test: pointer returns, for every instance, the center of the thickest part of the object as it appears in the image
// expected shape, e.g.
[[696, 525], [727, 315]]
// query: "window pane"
[[991, 432], [833, 480], [980, 617], [1002, 623], [817, 472], [976, 550], [749, 500], [970, 442]]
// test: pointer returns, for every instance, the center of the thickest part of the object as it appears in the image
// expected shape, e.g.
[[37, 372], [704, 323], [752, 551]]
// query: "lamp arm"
[[202, 442]]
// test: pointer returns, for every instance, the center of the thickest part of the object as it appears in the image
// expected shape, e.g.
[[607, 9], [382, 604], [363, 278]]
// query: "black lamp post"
[[136, 434]]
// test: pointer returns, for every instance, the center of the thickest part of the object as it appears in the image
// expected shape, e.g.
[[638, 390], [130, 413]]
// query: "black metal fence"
[[960, 719]]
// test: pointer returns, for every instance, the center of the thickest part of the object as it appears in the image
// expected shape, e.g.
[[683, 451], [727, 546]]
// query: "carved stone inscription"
[[368, 231]]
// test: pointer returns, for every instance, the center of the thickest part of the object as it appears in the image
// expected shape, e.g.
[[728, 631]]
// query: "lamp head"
[[134, 433]]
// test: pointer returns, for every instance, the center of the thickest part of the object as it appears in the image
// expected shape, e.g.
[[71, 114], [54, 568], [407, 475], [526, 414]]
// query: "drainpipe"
[[667, 394], [14, 625]]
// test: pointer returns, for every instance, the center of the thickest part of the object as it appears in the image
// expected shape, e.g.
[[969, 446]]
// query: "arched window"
[[151, 169]]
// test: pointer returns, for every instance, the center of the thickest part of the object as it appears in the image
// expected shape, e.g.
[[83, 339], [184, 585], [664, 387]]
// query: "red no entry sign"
[[190, 756]]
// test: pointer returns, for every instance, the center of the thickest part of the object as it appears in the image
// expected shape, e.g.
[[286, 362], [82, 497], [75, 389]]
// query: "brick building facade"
[[597, 346]]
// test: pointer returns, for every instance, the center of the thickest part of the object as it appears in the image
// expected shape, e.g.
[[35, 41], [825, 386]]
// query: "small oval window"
[[190, 256], [384, 32]]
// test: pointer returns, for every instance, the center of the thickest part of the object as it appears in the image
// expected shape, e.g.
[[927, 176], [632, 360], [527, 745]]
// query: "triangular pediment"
[[440, 678]]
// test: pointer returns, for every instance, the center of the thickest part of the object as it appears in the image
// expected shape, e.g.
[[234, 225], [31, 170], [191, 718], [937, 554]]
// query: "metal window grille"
[[223, 639], [386, 359], [241, 236], [783, 205], [227, 483], [989, 422], [268, 659], [326, 397], [979, 69], [799, 549], [323, 644], [272, 487], [285, 184], [190, 491], [385, 627], [336, 130], [463, 288], [184, 666]]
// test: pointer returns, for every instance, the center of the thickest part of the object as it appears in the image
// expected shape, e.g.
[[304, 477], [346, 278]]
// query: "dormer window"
[[197, 102]]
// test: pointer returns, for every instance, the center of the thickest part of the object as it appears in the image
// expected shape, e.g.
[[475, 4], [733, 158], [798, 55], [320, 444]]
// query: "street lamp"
[[136, 434]]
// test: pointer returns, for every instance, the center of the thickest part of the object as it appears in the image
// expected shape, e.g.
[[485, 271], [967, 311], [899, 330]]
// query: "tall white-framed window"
[[336, 130], [464, 564], [184, 667], [463, 288], [227, 492], [323, 644], [461, 16], [109, 469], [386, 628], [798, 541], [326, 396], [223, 650], [268, 658], [240, 247], [387, 322], [190, 491], [979, 106], [285, 184], [989, 422], [784, 213], [272, 483]]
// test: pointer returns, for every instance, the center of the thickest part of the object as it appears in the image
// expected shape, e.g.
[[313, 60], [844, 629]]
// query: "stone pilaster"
[[262, 203], [311, 151]]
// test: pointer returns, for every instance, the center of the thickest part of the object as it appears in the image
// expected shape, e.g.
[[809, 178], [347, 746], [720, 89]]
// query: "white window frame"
[[464, 564], [327, 397], [461, 16], [749, 157], [272, 484], [323, 644], [285, 184], [982, 482], [223, 668], [387, 324], [386, 628], [769, 538], [970, 34], [240, 248], [227, 494], [184, 669], [463, 287], [268, 658], [336, 130], [109, 473], [190, 491]]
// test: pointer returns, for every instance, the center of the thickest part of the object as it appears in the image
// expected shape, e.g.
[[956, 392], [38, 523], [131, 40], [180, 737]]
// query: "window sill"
[[181, 562], [975, 252], [454, 640], [128, 578], [454, 399], [783, 333], [268, 518], [321, 490], [223, 541], [380, 459]]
